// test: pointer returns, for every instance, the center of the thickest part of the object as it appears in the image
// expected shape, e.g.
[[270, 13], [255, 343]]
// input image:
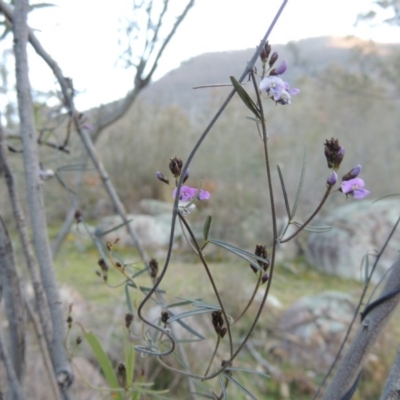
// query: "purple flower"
[[354, 187], [277, 89], [187, 194]]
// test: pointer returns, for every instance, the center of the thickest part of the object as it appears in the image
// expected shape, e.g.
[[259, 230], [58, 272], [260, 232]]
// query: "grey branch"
[[392, 387], [12, 295], [35, 195], [368, 332]]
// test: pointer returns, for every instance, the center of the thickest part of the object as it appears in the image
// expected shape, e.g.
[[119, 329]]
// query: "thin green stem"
[[201, 256], [251, 299], [213, 355], [328, 191]]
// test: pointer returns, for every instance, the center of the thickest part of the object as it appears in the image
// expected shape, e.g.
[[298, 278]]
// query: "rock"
[[153, 231], [155, 207], [358, 228], [313, 327]]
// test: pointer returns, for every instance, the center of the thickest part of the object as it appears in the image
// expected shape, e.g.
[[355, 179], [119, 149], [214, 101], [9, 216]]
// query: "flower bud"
[[265, 52], [175, 166], [282, 68], [161, 177], [265, 278], [334, 153], [353, 173], [332, 179], [273, 58], [185, 178]]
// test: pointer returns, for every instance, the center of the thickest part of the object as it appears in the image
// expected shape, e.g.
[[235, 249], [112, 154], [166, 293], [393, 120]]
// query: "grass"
[[76, 268]]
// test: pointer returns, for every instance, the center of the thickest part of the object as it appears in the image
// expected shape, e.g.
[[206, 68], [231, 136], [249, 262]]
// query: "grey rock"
[[155, 207], [358, 228], [313, 327], [153, 230]]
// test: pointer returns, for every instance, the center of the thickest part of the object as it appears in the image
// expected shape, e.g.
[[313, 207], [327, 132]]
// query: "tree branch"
[[35, 195], [366, 336]]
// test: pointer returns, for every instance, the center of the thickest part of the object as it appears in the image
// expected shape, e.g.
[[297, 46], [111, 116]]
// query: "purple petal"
[[187, 194], [355, 171], [294, 91], [360, 193], [282, 67], [204, 195], [272, 83]]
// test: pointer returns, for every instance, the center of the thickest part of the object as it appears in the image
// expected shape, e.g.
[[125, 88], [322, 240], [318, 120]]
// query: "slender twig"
[[213, 355], [250, 302], [311, 217], [210, 277]]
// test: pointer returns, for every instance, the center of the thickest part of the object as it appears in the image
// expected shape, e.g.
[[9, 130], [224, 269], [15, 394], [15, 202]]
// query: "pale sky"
[[82, 35]]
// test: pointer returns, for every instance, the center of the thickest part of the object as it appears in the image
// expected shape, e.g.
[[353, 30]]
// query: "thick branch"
[[35, 195], [13, 301], [15, 387], [366, 336], [392, 387]]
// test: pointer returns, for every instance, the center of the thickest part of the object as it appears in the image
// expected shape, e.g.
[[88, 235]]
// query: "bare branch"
[[19, 218], [13, 302], [367, 334], [392, 387], [12, 379], [35, 194]]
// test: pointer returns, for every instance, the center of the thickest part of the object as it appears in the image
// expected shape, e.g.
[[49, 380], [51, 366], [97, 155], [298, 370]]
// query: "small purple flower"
[[187, 194], [354, 187], [277, 89]]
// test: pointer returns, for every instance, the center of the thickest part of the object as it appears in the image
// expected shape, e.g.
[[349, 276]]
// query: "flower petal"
[[360, 193], [204, 195]]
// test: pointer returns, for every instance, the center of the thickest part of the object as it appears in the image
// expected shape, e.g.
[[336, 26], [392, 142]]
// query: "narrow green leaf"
[[246, 255], [189, 314], [103, 233], [223, 387], [206, 228], [245, 97], [128, 299], [104, 362], [242, 388], [284, 192], [129, 352], [301, 182], [182, 303], [144, 288], [250, 371], [253, 119], [312, 228], [62, 182], [191, 330], [206, 396]]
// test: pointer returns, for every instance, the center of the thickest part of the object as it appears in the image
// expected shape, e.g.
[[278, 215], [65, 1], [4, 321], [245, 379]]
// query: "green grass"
[[76, 268]]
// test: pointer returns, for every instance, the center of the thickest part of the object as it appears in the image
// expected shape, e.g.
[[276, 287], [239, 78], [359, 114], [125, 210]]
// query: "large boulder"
[[153, 230], [358, 228], [313, 327]]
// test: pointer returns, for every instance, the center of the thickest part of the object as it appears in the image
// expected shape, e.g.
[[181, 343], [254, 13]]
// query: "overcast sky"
[[82, 35]]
